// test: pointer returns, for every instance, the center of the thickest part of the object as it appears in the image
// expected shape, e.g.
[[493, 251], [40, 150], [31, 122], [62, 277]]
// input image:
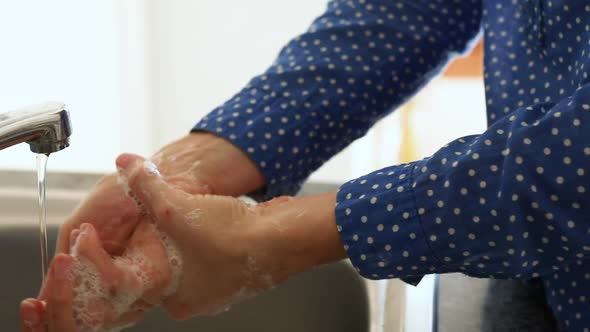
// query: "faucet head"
[[45, 127], [56, 129]]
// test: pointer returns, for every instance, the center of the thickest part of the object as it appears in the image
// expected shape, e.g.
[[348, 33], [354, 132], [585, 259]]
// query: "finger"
[[149, 188], [109, 209], [63, 243], [74, 234], [156, 267], [87, 245], [31, 313], [60, 295], [24, 327], [144, 180]]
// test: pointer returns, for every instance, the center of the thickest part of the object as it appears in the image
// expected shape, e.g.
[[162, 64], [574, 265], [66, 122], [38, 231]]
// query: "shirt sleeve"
[[512, 202], [356, 63]]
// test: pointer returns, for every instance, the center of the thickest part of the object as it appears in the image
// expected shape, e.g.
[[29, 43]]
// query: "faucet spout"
[[45, 127]]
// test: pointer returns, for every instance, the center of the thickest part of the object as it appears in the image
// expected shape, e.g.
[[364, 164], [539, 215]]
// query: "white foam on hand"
[[95, 308], [86, 292], [174, 259]]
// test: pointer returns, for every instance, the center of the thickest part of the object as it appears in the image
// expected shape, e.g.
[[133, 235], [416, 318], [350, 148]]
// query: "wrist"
[[301, 233], [209, 162]]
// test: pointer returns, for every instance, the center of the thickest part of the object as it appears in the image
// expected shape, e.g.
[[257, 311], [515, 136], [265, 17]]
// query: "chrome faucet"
[[45, 127]]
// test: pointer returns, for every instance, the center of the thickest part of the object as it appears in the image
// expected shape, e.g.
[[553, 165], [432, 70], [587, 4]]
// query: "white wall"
[[136, 74], [62, 50], [205, 51], [447, 110]]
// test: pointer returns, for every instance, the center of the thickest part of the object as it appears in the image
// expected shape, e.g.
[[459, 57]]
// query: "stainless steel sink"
[[329, 298]]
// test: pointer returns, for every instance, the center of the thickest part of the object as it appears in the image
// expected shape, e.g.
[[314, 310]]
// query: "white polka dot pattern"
[[511, 202], [356, 63]]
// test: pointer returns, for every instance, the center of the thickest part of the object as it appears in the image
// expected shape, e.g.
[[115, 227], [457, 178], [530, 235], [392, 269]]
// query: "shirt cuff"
[[380, 226], [277, 167]]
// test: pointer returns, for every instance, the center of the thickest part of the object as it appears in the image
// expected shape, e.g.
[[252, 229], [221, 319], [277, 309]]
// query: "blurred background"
[[145, 71]]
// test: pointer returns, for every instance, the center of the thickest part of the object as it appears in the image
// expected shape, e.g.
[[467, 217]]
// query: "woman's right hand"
[[227, 250], [218, 248], [199, 163]]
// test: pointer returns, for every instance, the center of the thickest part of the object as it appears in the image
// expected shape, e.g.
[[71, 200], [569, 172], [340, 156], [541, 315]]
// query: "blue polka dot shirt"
[[511, 202]]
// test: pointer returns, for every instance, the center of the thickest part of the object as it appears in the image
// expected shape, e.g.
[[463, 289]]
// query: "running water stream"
[[41, 172]]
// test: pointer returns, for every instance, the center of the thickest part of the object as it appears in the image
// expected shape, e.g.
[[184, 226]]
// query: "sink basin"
[[326, 299], [331, 298]]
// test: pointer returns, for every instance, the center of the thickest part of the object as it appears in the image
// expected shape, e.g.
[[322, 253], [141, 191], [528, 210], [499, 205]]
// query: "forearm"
[[301, 233], [509, 203], [356, 63], [313, 230], [201, 162]]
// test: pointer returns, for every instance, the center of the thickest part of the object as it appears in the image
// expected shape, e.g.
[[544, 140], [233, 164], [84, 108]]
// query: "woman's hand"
[[59, 301], [198, 163], [97, 292], [230, 250]]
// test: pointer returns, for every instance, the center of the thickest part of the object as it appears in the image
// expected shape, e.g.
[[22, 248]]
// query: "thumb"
[[146, 185]]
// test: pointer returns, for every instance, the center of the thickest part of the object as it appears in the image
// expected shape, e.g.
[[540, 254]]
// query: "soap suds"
[[256, 282], [191, 172], [257, 276], [123, 181], [94, 304], [194, 217], [87, 292], [174, 258], [151, 167]]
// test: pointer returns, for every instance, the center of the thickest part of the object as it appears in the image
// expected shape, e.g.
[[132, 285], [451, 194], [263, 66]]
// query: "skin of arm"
[[305, 234], [199, 162], [241, 249]]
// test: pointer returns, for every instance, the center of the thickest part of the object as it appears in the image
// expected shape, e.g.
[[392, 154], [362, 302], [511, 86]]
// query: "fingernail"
[[126, 161], [30, 315]]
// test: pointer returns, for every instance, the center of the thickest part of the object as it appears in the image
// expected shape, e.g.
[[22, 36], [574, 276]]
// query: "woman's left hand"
[[107, 292], [229, 250], [57, 304]]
